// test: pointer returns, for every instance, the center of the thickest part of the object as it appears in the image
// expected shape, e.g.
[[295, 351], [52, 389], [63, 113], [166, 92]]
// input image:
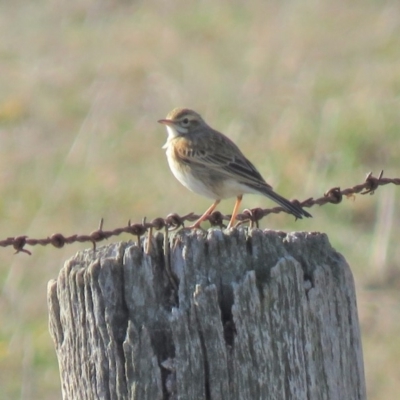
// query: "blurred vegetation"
[[308, 89]]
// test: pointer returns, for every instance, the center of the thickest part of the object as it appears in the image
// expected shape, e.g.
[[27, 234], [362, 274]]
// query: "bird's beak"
[[165, 122]]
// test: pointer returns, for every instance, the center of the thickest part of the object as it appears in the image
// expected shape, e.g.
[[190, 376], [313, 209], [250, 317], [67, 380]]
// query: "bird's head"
[[182, 121]]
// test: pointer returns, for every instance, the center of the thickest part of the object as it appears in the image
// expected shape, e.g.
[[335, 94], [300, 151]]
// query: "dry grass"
[[309, 90]]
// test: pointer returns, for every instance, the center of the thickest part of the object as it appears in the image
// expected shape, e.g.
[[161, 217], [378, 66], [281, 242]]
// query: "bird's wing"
[[222, 155]]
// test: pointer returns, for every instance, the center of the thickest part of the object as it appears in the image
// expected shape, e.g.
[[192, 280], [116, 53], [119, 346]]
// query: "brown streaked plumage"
[[209, 163]]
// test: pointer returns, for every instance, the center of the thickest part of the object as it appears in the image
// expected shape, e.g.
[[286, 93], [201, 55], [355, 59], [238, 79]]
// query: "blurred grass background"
[[308, 89]]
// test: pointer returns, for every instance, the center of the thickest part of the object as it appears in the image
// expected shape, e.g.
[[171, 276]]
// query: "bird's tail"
[[290, 207]]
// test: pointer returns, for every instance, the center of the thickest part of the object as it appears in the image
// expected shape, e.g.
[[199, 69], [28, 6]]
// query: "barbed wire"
[[175, 221]]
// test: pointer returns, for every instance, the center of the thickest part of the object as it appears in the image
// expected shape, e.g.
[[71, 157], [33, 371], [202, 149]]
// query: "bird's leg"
[[235, 210], [205, 215]]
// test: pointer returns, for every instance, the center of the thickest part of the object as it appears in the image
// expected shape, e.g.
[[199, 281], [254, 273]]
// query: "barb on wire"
[[175, 221]]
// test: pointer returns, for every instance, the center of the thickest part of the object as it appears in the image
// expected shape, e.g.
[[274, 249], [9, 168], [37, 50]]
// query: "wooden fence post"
[[245, 314]]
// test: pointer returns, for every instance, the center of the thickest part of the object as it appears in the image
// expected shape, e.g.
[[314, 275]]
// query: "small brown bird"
[[210, 164]]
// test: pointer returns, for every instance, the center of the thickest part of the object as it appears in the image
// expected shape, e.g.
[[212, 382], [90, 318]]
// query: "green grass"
[[309, 90]]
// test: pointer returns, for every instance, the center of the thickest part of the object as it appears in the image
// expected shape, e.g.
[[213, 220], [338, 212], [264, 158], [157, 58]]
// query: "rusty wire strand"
[[175, 221]]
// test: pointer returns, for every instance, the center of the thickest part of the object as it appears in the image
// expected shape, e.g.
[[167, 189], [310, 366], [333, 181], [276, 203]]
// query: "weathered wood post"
[[250, 314]]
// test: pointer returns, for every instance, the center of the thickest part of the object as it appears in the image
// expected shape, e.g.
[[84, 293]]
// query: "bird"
[[210, 164]]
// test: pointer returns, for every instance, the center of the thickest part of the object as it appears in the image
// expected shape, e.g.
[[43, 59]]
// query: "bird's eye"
[[185, 121]]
